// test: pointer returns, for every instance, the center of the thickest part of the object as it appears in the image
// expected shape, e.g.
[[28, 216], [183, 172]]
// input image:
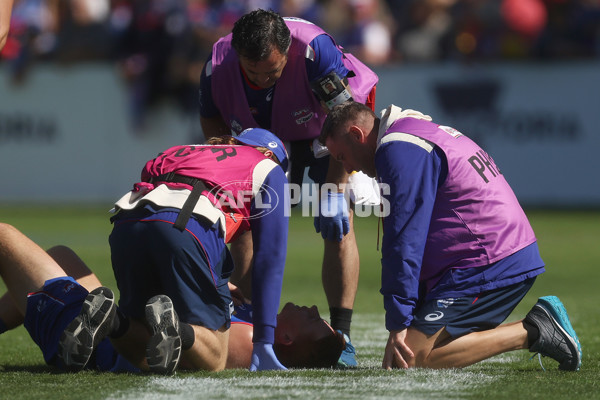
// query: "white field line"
[[368, 382]]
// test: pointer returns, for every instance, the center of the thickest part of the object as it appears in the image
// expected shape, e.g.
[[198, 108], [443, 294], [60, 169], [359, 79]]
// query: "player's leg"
[[209, 351], [440, 350], [74, 266], [552, 336], [24, 266], [69, 262], [340, 269], [454, 333], [340, 274]]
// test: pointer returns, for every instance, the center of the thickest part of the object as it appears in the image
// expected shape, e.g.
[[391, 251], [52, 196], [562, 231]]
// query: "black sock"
[[532, 333], [341, 318], [188, 337], [120, 325]]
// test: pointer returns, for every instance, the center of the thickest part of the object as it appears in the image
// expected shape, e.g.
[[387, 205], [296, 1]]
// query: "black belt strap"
[[198, 186]]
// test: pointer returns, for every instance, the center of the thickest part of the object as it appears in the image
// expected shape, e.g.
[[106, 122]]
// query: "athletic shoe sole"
[[164, 348], [90, 327], [556, 312]]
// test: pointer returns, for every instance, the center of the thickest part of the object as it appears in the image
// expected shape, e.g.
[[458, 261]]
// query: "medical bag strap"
[[198, 186]]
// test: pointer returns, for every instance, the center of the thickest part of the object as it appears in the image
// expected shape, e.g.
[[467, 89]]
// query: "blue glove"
[[264, 358], [332, 221]]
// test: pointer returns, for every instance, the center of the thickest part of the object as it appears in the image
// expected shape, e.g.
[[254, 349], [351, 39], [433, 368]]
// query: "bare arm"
[[5, 13], [336, 173]]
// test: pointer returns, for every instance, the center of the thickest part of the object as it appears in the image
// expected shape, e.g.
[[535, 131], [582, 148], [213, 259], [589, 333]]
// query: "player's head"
[[259, 32], [258, 137], [261, 40], [304, 340], [350, 134]]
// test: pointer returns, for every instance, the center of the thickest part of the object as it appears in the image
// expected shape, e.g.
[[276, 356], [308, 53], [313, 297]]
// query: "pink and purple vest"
[[228, 172], [476, 218], [297, 113]]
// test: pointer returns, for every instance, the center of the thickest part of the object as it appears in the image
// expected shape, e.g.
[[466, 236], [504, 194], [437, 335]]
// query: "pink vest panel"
[[226, 170]]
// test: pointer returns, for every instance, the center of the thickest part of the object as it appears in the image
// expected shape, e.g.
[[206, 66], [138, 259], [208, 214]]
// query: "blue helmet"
[[259, 137]]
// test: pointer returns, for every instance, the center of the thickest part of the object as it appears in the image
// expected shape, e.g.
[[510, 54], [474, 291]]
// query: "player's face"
[[302, 323], [352, 154], [264, 73]]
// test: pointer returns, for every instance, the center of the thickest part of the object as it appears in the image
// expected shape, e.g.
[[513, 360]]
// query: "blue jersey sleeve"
[[411, 174], [327, 58], [269, 225]]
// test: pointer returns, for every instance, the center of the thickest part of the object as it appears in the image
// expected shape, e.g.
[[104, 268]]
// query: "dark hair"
[[257, 33], [323, 353], [341, 114]]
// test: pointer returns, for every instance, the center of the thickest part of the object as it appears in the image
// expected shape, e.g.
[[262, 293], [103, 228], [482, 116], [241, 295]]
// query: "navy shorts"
[[150, 256], [464, 315], [50, 310]]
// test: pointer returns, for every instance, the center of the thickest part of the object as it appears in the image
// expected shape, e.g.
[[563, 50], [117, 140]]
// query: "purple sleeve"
[[269, 224], [327, 58], [412, 175], [206, 105]]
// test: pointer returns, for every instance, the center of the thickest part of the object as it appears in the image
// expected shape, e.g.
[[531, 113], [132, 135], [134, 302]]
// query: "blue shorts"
[[150, 256], [464, 315], [50, 310], [48, 313]]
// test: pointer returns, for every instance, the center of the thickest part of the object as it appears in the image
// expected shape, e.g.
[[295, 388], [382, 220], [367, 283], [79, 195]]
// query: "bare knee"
[[6, 231]]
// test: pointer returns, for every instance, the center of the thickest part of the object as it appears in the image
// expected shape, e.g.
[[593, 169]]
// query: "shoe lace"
[[539, 359]]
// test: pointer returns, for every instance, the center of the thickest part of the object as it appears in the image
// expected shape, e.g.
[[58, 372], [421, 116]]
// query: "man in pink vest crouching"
[[172, 265]]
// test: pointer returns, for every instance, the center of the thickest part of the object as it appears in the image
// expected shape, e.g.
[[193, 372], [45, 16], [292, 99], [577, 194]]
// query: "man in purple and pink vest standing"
[[284, 74], [458, 252]]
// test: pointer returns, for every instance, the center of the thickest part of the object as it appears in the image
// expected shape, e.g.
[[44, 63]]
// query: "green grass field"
[[569, 244]]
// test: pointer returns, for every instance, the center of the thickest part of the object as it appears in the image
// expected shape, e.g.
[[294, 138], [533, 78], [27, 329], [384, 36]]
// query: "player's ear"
[[287, 340], [356, 134], [283, 338]]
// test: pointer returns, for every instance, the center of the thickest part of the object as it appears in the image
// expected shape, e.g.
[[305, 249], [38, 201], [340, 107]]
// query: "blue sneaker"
[[348, 357], [557, 338]]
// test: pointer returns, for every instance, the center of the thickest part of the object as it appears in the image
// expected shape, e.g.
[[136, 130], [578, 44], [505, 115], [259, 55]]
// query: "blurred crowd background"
[[159, 46]]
